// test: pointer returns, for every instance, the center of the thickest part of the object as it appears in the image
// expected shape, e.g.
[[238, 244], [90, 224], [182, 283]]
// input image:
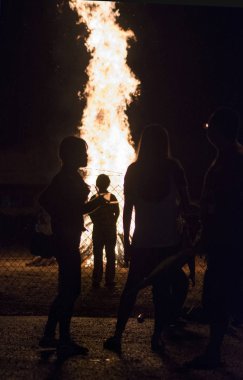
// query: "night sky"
[[189, 60]]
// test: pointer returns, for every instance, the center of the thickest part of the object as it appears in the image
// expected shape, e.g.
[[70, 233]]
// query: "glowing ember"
[[110, 89]]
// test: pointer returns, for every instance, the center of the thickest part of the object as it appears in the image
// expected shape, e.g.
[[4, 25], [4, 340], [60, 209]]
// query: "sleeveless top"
[[156, 211]]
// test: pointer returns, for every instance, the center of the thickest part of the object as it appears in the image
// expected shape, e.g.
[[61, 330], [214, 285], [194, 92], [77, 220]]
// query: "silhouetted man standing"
[[65, 201], [222, 217]]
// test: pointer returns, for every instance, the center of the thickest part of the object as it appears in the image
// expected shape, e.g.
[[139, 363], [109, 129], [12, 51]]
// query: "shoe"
[[66, 350], [204, 362], [113, 344], [157, 345], [48, 342]]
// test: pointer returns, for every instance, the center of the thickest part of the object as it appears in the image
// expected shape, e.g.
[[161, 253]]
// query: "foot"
[[157, 344], [66, 350], [113, 344], [204, 362], [48, 342]]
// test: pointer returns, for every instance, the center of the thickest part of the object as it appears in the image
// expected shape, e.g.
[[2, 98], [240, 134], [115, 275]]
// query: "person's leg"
[[137, 271], [69, 291], [162, 297], [48, 338], [110, 245], [98, 246], [179, 290], [215, 302], [127, 301], [50, 328], [162, 305]]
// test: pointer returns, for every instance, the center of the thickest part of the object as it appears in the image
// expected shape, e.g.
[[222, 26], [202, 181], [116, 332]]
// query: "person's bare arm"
[[127, 218]]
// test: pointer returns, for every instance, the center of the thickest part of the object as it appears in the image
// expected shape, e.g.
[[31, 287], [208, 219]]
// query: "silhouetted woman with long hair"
[[153, 186]]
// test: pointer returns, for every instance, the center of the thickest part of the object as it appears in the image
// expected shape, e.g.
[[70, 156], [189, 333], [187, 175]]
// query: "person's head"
[[154, 146], [103, 182], [73, 152], [223, 127]]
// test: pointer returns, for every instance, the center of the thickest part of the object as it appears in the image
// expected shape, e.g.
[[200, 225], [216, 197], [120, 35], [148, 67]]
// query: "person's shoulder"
[[131, 170], [113, 197], [131, 167]]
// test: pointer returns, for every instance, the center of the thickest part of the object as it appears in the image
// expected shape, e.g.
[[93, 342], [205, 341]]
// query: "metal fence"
[[28, 284]]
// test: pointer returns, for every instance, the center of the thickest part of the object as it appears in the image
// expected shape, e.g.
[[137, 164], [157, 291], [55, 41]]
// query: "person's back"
[[223, 195], [222, 219], [105, 218], [64, 200], [104, 233], [156, 201]]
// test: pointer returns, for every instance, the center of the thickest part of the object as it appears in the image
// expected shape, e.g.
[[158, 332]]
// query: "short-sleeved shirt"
[[222, 199], [155, 198]]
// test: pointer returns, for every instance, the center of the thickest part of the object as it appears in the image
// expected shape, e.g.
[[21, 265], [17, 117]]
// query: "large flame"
[[111, 87]]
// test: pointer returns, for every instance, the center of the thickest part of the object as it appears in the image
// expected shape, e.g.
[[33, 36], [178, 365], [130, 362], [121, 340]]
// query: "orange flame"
[[110, 89]]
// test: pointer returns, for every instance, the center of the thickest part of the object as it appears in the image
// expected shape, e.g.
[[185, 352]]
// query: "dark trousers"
[[104, 240], [143, 262], [221, 291], [69, 283]]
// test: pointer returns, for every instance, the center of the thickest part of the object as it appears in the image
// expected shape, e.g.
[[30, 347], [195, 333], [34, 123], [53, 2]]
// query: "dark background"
[[188, 58]]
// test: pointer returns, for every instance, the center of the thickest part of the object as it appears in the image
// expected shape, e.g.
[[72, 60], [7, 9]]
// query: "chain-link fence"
[[27, 283]]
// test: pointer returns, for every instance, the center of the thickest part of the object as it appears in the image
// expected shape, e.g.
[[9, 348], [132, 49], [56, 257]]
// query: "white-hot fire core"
[[110, 89]]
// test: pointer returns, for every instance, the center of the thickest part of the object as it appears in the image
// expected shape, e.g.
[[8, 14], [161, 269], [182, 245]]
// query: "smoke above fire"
[[110, 89]]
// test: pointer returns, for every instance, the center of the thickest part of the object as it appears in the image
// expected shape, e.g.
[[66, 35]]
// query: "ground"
[[24, 288], [20, 360], [26, 292]]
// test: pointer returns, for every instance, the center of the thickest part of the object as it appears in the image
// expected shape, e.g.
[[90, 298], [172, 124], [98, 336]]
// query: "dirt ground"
[[19, 358], [28, 290]]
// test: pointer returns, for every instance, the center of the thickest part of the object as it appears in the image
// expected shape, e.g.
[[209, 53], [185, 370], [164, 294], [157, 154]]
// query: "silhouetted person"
[[65, 201], [153, 185], [222, 217], [104, 233]]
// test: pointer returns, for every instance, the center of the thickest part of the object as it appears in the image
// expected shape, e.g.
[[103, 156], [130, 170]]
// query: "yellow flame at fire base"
[[110, 89]]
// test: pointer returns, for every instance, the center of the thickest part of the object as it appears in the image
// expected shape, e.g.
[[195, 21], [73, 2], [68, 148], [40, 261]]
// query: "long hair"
[[154, 146], [153, 173]]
